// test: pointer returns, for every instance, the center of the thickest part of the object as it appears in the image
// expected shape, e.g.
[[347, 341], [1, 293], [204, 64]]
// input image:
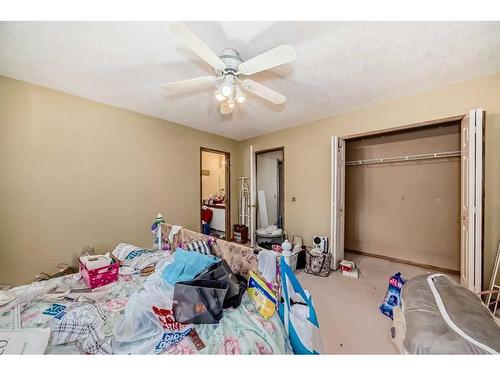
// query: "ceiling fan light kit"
[[228, 67], [219, 96], [240, 97]]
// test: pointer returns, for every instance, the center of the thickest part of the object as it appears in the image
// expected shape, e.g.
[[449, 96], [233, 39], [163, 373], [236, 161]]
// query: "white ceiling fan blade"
[[225, 109], [263, 91], [277, 56], [190, 39], [188, 83]]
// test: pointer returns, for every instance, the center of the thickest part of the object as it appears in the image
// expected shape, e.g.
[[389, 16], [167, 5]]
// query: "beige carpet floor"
[[347, 308]]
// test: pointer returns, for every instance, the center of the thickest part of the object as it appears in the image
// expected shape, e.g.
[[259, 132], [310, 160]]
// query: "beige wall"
[[408, 210], [307, 152], [76, 172]]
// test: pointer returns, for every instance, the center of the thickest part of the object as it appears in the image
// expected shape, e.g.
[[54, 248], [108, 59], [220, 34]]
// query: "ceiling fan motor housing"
[[232, 59], [228, 66]]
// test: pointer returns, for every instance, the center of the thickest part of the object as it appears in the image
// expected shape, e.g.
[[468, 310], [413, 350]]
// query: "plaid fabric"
[[147, 258], [201, 247], [136, 257], [83, 326]]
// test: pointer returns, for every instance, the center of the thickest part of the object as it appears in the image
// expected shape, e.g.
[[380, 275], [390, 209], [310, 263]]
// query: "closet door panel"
[[464, 202]]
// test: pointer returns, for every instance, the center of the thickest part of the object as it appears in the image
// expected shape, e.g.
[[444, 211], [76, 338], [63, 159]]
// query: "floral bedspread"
[[241, 331]]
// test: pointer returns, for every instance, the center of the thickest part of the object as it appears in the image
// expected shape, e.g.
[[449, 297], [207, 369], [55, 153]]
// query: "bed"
[[241, 331], [439, 316]]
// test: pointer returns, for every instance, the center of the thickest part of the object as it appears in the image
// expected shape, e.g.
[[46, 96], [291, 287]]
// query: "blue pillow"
[[186, 265]]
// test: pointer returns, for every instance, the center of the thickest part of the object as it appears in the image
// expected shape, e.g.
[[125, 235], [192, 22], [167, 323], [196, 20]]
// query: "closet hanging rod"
[[395, 159]]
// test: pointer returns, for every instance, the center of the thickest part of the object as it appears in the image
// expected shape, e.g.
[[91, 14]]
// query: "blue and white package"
[[393, 296], [172, 337], [55, 310]]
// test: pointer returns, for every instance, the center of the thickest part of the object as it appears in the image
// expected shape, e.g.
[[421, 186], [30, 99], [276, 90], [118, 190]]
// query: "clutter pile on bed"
[[189, 296], [439, 316]]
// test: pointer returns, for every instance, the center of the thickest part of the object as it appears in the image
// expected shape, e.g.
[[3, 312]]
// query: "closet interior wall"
[[407, 210]]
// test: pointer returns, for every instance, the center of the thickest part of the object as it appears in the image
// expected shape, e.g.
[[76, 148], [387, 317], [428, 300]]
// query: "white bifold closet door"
[[337, 202], [471, 200]]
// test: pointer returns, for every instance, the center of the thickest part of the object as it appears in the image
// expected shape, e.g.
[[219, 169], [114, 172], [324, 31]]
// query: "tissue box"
[[347, 265], [349, 268]]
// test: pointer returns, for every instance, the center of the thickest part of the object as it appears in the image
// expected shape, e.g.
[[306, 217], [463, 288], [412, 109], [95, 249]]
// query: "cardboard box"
[[349, 269]]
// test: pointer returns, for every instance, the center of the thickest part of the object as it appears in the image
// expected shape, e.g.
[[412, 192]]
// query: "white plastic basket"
[[293, 260]]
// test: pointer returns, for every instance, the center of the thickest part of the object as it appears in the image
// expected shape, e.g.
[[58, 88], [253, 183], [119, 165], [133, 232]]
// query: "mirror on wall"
[[214, 193], [269, 168]]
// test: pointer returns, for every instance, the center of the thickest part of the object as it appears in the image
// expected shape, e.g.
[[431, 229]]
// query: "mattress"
[[241, 331], [439, 316]]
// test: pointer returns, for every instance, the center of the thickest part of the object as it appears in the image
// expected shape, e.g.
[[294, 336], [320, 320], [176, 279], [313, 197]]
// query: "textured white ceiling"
[[340, 65]]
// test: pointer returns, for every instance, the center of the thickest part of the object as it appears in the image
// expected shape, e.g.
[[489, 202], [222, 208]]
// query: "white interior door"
[[465, 237], [478, 197], [253, 197], [337, 201], [471, 200]]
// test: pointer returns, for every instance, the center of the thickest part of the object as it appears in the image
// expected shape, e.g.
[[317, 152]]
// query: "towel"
[[186, 265], [271, 230], [267, 264], [173, 231]]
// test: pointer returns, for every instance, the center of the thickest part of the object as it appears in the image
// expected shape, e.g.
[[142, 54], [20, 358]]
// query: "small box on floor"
[[349, 268]]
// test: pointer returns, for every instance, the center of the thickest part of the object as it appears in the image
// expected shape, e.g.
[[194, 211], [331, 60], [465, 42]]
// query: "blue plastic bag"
[[297, 314], [393, 296]]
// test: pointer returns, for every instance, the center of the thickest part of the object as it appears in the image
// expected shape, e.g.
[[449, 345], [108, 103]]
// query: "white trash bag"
[[140, 330]]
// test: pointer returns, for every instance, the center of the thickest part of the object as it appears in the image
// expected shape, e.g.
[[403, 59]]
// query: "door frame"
[[253, 197], [253, 188], [337, 202], [476, 256], [227, 187]]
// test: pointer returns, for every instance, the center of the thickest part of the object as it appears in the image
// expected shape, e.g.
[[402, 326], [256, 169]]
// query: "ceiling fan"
[[229, 68]]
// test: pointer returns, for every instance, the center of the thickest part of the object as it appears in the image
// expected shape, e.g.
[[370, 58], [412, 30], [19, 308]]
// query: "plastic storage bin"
[[293, 260], [100, 276]]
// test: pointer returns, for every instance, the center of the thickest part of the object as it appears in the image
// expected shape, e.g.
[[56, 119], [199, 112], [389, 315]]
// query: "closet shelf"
[[397, 159]]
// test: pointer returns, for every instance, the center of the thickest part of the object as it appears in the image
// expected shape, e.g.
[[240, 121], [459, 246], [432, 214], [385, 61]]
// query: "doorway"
[[215, 193], [269, 189]]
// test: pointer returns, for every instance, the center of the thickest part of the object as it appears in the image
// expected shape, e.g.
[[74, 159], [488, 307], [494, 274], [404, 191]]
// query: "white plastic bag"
[[160, 291], [140, 330]]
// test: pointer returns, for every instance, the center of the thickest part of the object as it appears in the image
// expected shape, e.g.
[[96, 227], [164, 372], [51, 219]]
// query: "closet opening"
[[414, 194], [215, 193], [402, 196]]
